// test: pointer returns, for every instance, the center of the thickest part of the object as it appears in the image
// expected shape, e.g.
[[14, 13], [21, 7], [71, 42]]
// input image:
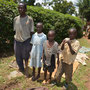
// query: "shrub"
[[7, 13], [55, 20], [51, 20]]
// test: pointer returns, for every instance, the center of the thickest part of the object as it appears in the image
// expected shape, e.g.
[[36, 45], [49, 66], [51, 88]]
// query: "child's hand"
[[64, 41], [68, 42]]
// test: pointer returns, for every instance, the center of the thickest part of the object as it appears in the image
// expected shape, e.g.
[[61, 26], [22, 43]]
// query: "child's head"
[[51, 35], [39, 27], [22, 8], [72, 33]]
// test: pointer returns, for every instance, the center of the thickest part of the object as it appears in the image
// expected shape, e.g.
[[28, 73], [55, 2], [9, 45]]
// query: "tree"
[[29, 2], [87, 14], [84, 8], [63, 6], [16, 1], [38, 4]]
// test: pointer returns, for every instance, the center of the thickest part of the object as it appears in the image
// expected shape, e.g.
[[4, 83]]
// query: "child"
[[69, 47], [50, 49], [37, 49], [24, 28]]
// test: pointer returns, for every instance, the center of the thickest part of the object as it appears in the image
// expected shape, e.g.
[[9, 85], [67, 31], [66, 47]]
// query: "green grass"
[[22, 83], [84, 42]]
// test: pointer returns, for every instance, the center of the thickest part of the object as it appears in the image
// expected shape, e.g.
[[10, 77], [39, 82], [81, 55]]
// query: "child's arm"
[[58, 59], [42, 55], [32, 27], [71, 49], [57, 54], [62, 47]]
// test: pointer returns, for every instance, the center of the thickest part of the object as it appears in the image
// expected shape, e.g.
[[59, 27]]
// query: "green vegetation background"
[[51, 20]]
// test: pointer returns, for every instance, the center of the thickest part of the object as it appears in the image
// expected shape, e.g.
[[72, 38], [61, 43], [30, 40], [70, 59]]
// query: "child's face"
[[51, 36], [39, 27], [21, 9], [72, 34]]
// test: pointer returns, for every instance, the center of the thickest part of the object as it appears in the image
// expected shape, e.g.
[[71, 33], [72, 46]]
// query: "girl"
[[50, 49], [37, 49]]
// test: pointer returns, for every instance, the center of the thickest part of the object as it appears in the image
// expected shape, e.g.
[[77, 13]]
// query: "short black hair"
[[52, 31], [40, 23], [73, 29], [25, 5]]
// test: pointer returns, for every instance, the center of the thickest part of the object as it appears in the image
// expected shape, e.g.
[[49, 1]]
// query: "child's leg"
[[39, 70], [26, 64], [62, 66], [33, 74], [38, 76], [45, 74], [68, 73], [50, 75]]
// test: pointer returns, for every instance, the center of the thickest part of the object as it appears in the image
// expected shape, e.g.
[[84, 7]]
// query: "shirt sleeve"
[[14, 29], [32, 25], [45, 37], [32, 40], [76, 47], [57, 48]]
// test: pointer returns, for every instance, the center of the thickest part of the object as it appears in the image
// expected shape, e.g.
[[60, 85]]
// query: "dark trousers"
[[67, 69], [22, 50]]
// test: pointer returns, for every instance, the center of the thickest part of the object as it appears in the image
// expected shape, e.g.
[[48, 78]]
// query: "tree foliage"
[[51, 20], [63, 6], [29, 2], [84, 8]]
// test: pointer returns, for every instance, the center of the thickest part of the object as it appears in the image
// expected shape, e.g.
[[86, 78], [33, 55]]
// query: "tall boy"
[[24, 28], [69, 47]]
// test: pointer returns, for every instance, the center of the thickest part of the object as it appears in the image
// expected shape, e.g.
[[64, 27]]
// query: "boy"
[[69, 47], [24, 28], [50, 48]]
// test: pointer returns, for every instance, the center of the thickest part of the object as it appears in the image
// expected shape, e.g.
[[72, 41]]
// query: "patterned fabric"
[[37, 49], [52, 66], [66, 54], [49, 51]]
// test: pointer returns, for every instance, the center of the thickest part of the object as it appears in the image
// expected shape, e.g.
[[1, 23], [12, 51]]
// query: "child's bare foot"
[[33, 78], [49, 81], [44, 82]]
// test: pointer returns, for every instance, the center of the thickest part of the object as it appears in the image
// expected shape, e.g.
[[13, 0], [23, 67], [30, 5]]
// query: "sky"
[[74, 1]]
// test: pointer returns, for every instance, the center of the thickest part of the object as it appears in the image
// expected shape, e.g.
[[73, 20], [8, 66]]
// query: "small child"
[[50, 49], [37, 49], [69, 47]]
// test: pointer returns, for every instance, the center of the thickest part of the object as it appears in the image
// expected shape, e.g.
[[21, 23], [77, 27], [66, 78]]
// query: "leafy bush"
[[7, 13], [51, 20], [55, 20]]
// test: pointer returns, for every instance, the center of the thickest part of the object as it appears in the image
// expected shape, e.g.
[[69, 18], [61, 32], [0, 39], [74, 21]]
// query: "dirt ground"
[[15, 83]]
